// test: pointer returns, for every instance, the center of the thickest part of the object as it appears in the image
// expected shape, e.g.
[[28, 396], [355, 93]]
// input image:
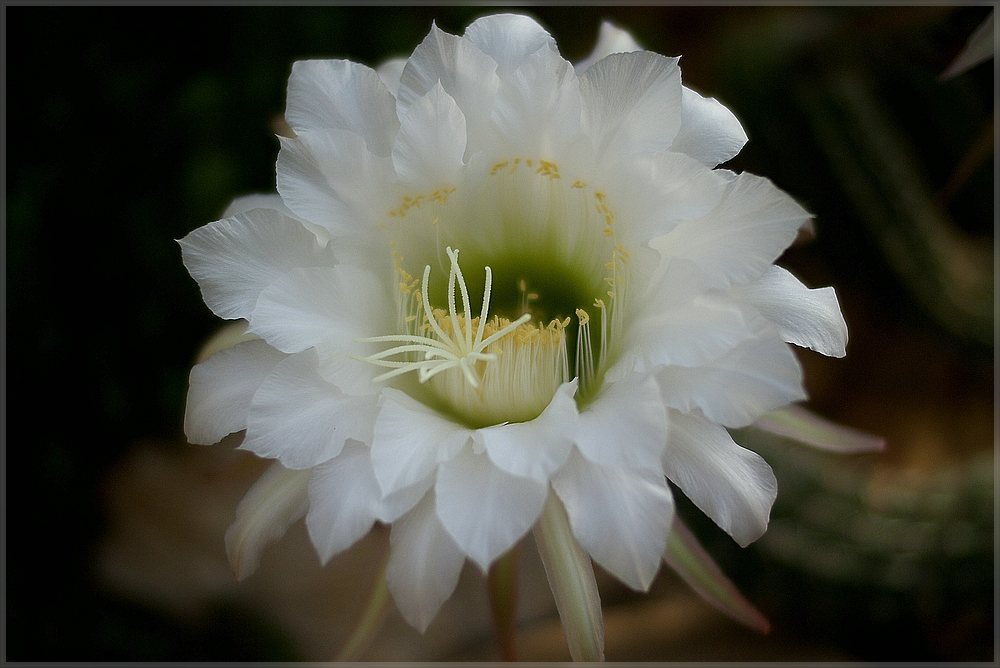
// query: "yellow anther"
[[583, 316], [578, 184]]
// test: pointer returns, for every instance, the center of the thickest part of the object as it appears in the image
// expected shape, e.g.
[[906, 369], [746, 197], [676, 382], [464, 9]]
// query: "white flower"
[[489, 275]]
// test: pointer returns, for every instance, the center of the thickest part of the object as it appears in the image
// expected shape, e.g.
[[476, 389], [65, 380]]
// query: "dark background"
[[127, 128]]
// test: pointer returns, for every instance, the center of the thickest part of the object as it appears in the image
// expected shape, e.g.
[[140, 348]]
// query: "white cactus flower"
[[490, 277]]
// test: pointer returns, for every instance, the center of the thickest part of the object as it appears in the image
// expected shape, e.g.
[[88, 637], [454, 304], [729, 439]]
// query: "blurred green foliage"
[[128, 127]]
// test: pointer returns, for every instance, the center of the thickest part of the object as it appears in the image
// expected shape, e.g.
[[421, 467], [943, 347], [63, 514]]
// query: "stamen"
[[446, 351]]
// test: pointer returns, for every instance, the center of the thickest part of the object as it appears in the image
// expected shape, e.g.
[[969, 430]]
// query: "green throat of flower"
[[551, 278]]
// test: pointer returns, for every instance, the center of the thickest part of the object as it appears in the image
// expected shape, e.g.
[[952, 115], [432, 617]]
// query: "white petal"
[[730, 484], [809, 318], [485, 509], [341, 95], [537, 109], [273, 503], [609, 40], [467, 74], [656, 192], [326, 308], [508, 39], [625, 426], [431, 142], [221, 390], [424, 564], [757, 376], [389, 72], [631, 103], [538, 447], [742, 236], [234, 259], [302, 420], [709, 132], [256, 201], [328, 177], [343, 500], [690, 334], [621, 517], [411, 440], [273, 201]]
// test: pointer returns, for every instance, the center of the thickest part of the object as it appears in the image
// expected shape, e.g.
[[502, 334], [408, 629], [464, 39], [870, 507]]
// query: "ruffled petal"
[[757, 376], [621, 517], [709, 132], [302, 420], [537, 109], [330, 178], [424, 564], [234, 259], [484, 509], [631, 104], [327, 308], [737, 241], [625, 426], [730, 484], [222, 387], [609, 40], [431, 142], [272, 504], [538, 447], [508, 39], [389, 72], [411, 440], [467, 74], [809, 318], [341, 95]]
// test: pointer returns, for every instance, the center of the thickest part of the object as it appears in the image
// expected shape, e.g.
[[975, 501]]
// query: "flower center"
[[552, 266], [485, 370]]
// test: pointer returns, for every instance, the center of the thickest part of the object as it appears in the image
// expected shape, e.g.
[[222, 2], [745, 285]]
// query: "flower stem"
[[372, 618], [571, 577], [503, 583]]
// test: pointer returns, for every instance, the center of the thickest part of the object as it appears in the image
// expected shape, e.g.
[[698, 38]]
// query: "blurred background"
[[128, 128]]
